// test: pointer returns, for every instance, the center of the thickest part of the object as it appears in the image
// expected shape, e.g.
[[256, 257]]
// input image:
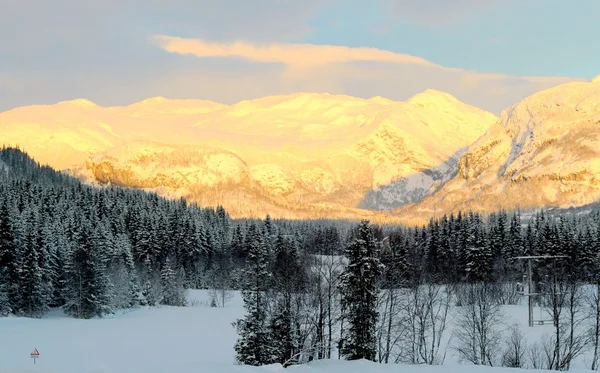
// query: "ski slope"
[[175, 340]]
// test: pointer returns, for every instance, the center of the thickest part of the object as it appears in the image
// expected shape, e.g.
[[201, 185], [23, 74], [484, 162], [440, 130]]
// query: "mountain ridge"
[[542, 152], [311, 152]]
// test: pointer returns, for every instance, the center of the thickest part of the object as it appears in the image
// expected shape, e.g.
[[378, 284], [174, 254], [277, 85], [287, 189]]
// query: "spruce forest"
[[311, 289]]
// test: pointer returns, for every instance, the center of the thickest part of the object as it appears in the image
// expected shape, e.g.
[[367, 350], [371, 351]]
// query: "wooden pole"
[[530, 290]]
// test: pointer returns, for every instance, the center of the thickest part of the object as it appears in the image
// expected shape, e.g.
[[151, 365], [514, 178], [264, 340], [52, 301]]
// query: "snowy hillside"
[[193, 339], [542, 152]]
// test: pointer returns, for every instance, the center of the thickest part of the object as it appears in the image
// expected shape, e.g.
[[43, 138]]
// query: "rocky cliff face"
[[542, 152], [304, 155]]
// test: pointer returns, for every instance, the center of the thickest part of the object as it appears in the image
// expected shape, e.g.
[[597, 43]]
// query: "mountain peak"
[[432, 96], [596, 79], [542, 152], [381, 100], [151, 100], [79, 102]]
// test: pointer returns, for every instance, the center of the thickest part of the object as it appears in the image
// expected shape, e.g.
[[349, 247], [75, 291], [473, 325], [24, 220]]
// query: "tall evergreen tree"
[[173, 292], [478, 255], [289, 278], [87, 283], [34, 298], [254, 346], [10, 259], [5, 307], [359, 295]]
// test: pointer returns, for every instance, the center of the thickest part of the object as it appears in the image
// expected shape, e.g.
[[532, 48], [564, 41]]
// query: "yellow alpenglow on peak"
[[303, 155], [542, 152], [79, 102]]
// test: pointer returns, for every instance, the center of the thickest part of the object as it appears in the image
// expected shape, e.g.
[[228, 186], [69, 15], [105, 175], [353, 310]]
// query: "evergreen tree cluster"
[[475, 248], [93, 250], [289, 298]]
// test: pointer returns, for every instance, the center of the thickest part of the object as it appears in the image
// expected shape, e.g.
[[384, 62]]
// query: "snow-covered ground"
[[195, 339]]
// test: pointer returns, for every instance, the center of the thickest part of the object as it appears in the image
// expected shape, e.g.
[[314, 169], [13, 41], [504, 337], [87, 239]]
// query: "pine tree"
[[283, 334], [88, 287], [498, 243], [478, 255], [121, 272], [173, 292], [133, 286], [433, 245], [46, 243], [253, 346], [34, 298], [395, 259], [359, 295], [5, 307], [237, 245], [289, 278], [57, 264], [151, 287], [10, 259]]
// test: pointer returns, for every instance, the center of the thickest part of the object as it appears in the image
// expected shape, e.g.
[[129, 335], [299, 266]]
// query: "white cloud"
[[289, 54], [366, 71]]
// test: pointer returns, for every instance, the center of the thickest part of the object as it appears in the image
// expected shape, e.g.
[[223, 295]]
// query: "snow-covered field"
[[168, 339]]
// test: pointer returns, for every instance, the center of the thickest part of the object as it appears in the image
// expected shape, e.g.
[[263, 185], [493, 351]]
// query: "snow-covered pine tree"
[[220, 278], [359, 295], [34, 297], [254, 346], [197, 250], [515, 243], [478, 255], [87, 284], [121, 272], [10, 258], [588, 255], [432, 266], [173, 291], [47, 245], [57, 263], [237, 245], [269, 233], [289, 278], [498, 242], [151, 285], [284, 338], [396, 262], [5, 308], [135, 292]]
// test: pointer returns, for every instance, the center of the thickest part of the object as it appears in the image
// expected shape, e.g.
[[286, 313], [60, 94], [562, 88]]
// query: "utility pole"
[[530, 291], [530, 286]]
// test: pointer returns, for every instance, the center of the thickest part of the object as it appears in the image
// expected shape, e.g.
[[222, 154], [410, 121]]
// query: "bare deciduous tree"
[[563, 303], [220, 297], [593, 303], [535, 354], [425, 308], [390, 324], [515, 348], [477, 334], [329, 268]]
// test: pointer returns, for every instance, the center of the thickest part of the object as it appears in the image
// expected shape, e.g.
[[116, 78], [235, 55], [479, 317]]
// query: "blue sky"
[[525, 37], [489, 53]]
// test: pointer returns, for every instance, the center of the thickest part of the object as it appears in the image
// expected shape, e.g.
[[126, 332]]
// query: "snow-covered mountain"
[[302, 155], [542, 152]]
